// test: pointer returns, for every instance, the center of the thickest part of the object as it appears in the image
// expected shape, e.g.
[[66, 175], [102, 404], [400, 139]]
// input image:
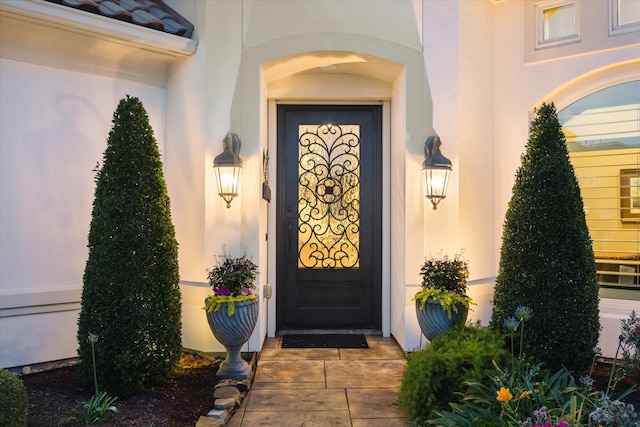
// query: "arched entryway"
[[282, 74], [352, 298]]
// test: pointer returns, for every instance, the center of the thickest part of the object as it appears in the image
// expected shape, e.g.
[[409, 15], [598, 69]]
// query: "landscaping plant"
[[519, 390], [95, 409], [546, 259], [14, 403], [444, 279], [630, 345], [232, 280], [131, 297], [437, 375], [531, 395]]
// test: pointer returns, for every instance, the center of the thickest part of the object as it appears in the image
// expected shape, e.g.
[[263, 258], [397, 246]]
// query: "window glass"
[[628, 12], [558, 22], [603, 138]]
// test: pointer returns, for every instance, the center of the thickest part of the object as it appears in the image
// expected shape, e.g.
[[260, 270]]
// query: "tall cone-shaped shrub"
[[546, 260], [131, 298]]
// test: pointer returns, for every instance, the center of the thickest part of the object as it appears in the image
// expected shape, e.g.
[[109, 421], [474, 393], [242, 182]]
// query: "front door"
[[329, 232]]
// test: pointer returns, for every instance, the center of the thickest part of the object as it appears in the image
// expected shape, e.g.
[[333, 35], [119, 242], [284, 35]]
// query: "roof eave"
[[99, 27]]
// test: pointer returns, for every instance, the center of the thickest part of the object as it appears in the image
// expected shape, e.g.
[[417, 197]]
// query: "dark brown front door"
[[329, 230]]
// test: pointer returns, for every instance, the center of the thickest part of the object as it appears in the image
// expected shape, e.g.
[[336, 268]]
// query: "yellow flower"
[[504, 395], [524, 394]]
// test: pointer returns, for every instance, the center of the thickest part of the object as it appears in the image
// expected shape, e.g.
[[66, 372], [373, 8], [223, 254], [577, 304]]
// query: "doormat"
[[324, 341]]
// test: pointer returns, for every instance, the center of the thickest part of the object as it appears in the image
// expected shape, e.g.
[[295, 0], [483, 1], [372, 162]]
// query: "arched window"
[[603, 137]]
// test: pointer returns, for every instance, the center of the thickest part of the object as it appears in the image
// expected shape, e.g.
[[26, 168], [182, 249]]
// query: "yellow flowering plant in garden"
[[528, 395]]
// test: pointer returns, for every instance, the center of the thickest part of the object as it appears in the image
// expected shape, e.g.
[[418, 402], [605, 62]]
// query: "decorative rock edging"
[[228, 395]]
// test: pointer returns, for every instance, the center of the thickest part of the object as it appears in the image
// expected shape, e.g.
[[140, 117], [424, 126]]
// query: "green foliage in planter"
[[546, 260], [434, 376], [131, 297], [14, 404], [444, 279]]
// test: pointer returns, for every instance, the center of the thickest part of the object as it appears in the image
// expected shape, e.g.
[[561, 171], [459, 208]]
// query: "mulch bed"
[[178, 403], [601, 372]]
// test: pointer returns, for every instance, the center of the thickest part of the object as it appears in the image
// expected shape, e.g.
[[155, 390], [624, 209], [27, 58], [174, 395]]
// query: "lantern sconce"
[[436, 169], [227, 167]]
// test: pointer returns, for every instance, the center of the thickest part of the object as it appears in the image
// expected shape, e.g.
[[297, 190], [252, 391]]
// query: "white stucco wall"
[[55, 125], [57, 103], [461, 73]]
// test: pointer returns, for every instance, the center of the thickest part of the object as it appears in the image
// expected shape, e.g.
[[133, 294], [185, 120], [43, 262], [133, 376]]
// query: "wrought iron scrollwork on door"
[[329, 196]]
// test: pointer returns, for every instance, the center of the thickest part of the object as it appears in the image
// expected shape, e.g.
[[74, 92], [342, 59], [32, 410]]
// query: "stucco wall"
[[58, 99], [55, 125]]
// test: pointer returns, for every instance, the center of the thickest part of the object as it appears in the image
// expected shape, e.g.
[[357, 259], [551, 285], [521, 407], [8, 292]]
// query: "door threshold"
[[367, 332]]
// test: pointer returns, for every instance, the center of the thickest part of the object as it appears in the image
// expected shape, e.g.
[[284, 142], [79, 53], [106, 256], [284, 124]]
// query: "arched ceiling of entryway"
[[332, 63]]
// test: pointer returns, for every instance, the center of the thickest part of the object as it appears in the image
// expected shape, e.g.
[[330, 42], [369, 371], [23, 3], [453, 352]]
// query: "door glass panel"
[[328, 196]]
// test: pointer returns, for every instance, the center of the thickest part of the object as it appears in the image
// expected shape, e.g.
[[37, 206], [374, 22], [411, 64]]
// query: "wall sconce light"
[[227, 167], [436, 169]]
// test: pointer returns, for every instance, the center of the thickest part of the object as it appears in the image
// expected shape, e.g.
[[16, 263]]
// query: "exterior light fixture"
[[436, 169], [227, 167]]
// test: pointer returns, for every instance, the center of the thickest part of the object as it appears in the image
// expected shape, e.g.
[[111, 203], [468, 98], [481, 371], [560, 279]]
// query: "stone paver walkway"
[[325, 387]]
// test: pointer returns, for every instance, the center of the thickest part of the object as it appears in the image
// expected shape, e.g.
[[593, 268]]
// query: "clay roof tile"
[[173, 27], [87, 5], [148, 20], [154, 14], [131, 5], [113, 10]]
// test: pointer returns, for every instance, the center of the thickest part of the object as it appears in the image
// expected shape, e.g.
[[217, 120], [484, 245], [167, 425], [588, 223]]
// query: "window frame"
[[541, 8]]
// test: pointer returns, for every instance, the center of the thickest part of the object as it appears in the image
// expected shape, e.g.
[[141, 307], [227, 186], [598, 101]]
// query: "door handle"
[[289, 238]]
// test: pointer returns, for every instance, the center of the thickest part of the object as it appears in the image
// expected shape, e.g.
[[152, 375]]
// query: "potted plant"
[[442, 301], [232, 310]]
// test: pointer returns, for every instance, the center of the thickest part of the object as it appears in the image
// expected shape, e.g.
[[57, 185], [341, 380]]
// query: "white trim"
[[37, 301], [592, 82], [540, 8], [386, 219], [614, 27], [98, 27], [272, 143]]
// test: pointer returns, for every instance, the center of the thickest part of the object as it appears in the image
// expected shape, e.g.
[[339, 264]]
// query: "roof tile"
[[131, 5], [154, 14], [87, 5], [173, 27], [146, 19], [113, 10], [158, 13]]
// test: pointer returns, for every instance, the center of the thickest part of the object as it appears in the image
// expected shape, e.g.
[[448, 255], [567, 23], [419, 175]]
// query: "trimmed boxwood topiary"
[[131, 298], [546, 260], [14, 403], [435, 376]]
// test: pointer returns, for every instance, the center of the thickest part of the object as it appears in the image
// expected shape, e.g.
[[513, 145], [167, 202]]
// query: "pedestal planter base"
[[433, 320], [232, 332], [234, 366]]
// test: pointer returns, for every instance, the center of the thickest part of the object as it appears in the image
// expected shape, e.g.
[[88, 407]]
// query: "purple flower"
[[541, 413], [247, 291], [223, 291]]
